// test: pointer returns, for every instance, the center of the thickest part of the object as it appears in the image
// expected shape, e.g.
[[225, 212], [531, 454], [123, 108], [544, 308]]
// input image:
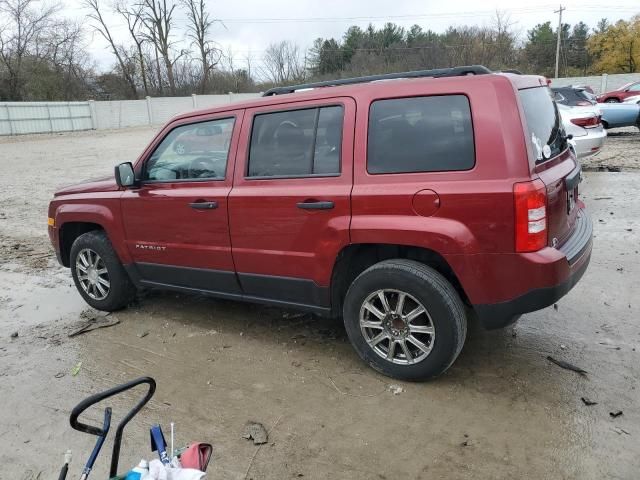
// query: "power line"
[[592, 8]]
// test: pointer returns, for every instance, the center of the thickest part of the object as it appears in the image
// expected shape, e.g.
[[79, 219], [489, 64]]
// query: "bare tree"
[[133, 16], [158, 19], [282, 63], [119, 51], [64, 50], [25, 25], [198, 30]]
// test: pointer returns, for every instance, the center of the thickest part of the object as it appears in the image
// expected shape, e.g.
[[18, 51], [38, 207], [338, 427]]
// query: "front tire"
[[612, 100], [98, 274], [405, 319]]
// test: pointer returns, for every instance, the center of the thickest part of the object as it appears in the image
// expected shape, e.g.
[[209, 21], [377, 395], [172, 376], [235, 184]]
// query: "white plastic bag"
[[159, 471]]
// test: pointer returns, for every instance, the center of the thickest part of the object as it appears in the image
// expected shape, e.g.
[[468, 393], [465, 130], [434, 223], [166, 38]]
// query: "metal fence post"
[[193, 99], [11, 130], [92, 112], [230, 97], [49, 118], [149, 113], [73, 127], [603, 83]]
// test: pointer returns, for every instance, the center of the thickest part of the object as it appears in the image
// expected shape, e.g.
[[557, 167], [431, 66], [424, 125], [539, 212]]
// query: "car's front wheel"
[[405, 319], [98, 274], [612, 100]]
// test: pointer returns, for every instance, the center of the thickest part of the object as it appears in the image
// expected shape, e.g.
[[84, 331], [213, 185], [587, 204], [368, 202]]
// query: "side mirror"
[[125, 176]]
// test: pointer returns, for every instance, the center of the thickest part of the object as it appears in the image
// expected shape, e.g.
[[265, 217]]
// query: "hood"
[[104, 184]]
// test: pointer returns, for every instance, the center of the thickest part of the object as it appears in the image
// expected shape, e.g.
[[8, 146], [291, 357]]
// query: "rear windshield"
[[545, 131], [586, 95]]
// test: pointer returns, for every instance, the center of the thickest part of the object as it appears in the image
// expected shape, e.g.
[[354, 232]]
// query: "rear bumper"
[[577, 254], [591, 143]]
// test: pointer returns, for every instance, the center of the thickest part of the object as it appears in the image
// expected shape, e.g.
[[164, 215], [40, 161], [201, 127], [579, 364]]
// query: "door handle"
[[204, 205], [315, 205]]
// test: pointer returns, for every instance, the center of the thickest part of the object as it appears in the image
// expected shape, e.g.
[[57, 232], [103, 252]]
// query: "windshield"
[[545, 131]]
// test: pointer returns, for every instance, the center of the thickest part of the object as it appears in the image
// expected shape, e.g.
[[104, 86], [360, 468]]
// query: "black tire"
[[438, 297], [612, 100], [121, 290]]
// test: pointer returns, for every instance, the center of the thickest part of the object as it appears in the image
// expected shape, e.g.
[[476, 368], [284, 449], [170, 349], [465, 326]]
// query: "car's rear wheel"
[[98, 274], [405, 319], [612, 100]]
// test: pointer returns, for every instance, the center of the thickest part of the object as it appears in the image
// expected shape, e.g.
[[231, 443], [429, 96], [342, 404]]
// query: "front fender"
[[105, 213]]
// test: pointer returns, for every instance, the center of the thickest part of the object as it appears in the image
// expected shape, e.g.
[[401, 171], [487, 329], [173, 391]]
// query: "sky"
[[249, 26]]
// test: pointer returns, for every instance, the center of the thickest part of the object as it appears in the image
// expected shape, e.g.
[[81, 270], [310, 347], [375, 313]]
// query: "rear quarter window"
[[420, 134]]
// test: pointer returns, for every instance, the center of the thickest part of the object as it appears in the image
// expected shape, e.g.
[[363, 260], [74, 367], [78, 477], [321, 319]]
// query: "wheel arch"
[[69, 232], [354, 259]]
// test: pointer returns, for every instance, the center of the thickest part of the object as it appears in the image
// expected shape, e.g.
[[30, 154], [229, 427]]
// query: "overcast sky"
[[250, 25]]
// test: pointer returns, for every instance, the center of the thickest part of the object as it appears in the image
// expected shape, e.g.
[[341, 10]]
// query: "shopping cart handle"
[[102, 432]]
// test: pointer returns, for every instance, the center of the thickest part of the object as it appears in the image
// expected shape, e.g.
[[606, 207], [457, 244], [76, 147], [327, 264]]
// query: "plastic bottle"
[[137, 473]]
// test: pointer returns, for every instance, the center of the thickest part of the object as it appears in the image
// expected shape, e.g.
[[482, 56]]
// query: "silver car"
[[585, 126]]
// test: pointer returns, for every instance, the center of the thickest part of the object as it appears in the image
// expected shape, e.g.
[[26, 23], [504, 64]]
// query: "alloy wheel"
[[92, 274], [397, 326]]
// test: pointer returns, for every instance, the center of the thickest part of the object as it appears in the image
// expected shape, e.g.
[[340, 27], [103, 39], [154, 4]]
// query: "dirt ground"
[[502, 411]]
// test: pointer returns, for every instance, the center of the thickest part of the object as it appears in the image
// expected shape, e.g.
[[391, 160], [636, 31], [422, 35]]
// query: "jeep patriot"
[[404, 203]]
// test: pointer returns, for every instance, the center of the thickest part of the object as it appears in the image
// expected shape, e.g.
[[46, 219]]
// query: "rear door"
[[553, 161], [290, 204], [176, 223]]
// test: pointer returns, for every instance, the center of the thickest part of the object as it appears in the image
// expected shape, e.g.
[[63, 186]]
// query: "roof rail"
[[436, 73]]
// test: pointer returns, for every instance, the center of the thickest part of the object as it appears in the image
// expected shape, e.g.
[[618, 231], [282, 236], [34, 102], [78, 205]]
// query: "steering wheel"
[[202, 167]]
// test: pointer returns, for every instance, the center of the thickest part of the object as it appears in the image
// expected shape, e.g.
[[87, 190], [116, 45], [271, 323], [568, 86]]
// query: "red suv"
[[405, 206], [617, 96]]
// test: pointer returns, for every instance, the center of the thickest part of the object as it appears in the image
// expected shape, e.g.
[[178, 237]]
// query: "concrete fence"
[[19, 118], [39, 117], [599, 83]]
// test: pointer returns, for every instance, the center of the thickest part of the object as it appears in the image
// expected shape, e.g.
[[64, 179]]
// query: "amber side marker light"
[[51, 222]]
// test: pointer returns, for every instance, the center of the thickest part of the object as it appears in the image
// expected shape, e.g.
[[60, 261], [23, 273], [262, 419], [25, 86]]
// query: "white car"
[[585, 126], [634, 99]]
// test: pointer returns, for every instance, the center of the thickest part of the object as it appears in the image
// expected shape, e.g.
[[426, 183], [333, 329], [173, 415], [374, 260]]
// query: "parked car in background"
[[203, 139], [614, 115], [573, 96], [585, 127], [617, 115], [617, 96]]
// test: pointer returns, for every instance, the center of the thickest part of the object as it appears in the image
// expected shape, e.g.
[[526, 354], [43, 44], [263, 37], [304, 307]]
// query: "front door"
[[176, 223], [290, 205]]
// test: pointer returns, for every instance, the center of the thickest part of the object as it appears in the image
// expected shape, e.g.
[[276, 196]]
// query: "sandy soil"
[[502, 411]]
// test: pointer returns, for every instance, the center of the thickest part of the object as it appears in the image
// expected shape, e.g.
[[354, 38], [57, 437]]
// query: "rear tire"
[[419, 286], [612, 100], [98, 274]]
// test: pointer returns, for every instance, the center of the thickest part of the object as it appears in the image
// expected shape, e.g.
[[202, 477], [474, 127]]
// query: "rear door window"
[[544, 126], [296, 143], [420, 134]]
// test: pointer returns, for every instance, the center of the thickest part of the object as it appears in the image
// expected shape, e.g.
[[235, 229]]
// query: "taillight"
[[531, 215], [586, 122]]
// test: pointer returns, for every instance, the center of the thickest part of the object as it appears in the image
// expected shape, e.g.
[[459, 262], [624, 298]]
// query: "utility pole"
[[559, 12]]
